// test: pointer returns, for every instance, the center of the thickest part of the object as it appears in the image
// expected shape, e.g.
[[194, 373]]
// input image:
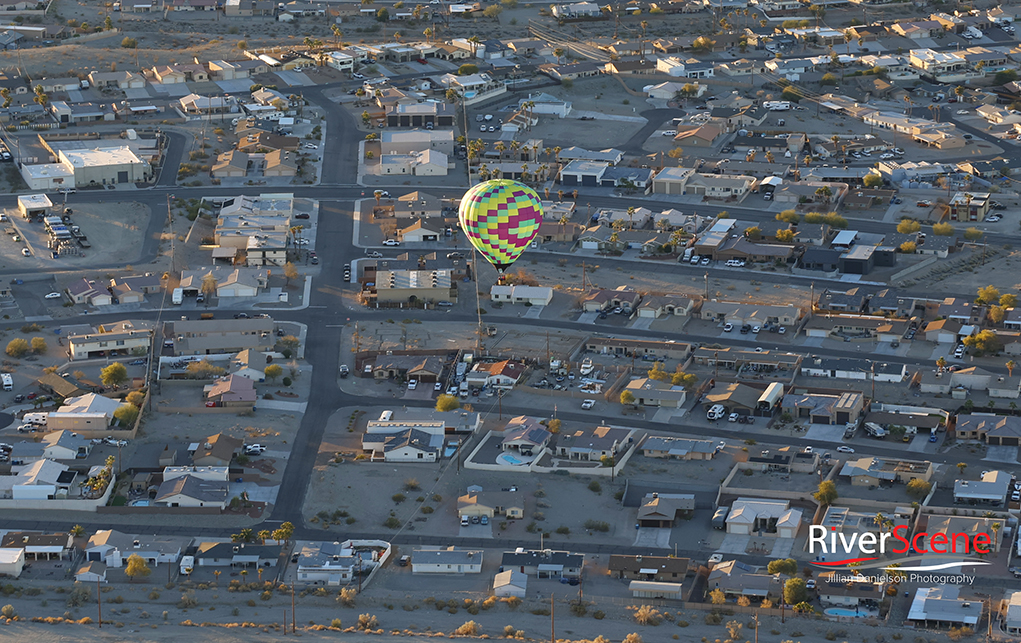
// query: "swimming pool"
[[840, 611], [509, 459]]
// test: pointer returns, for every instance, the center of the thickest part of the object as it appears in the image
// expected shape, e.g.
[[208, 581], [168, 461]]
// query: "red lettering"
[[938, 539], [953, 542], [982, 539], [902, 539], [914, 542]]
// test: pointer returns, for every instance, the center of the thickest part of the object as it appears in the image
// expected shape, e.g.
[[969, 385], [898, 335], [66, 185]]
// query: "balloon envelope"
[[500, 218]]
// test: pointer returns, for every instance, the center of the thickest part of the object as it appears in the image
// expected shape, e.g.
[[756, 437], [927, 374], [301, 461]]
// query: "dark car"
[[241, 316], [301, 215], [19, 398], [404, 560], [315, 261]]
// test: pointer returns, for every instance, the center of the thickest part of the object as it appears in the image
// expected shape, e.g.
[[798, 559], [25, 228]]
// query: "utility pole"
[[99, 602], [707, 285], [756, 627], [552, 632], [547, 350], [583, 277], [293, 622]]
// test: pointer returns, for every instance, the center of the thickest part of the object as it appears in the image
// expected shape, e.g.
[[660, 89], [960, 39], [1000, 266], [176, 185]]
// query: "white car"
[[587, 404], [715, 558], [733, 417], [301, 242], [311, 146], [391, 242], [844, 449], [412, 385], [25, 252], [807, 449], [358, 76], [438, 386], [53, 295], [962, 112]]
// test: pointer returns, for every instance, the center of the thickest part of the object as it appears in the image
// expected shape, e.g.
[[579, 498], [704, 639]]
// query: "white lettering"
[[848, 546], [882, 541], [817, 538], [867, 543]]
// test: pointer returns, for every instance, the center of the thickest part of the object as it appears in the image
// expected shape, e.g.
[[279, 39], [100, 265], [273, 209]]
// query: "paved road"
[[326, 308]]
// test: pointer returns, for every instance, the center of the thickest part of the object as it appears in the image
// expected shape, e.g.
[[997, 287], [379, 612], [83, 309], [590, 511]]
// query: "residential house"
[[329, 563], [84, 415], [942, 606], [858, 592], [838, 409], [113, 548], [39, 546], [241, 555], [991, 490], [649, 568], [191, 491], [231, 391], [545, 563], [602, 300], [513, 583], [650, 392], [504, 374], [116, 338], [999, 430], [526, 436], [679, 448], [519, 294], [749, 516], [661, 510], [593, 445], [446, 561], [509, 504], [962, 311], [736, 579], [656, 306], [216, 451], [871, 471]]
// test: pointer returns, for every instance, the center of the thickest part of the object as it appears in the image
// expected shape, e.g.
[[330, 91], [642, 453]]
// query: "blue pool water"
[[840, 611], [509, 459]]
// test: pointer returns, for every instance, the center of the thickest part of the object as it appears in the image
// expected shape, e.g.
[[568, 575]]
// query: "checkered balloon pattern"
[[500, 218]]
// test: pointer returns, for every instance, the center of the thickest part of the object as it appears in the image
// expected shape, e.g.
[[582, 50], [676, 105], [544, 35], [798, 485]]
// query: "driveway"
[[653, 537]]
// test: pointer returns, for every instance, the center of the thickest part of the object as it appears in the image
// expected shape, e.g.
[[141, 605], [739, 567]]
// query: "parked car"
[[728, 327], [53, 295], [587, 404], [845, 449], [412, 385], [391, 242]]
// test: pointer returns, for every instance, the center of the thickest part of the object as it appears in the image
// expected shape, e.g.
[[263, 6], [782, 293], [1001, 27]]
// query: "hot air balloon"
[[500, 218]]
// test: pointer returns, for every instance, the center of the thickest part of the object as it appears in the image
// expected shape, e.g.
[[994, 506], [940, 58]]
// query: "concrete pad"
[[255, 492], [74, 96], [666, 415], [477, 531], [653, 537], [782, 548], [588, 318], [825, 433], [533, 312], [813, 342], [1001, 454], [137, 94], [642, 323], [177, 90], [294, 78], [235, 86], [282, 405], [734, 544]]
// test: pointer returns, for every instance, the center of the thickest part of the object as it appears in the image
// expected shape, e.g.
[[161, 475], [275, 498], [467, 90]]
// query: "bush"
[[129, 43], [597, 525], [470, 628], [367, 622], [17, 347], [595, 486], [599, 615]]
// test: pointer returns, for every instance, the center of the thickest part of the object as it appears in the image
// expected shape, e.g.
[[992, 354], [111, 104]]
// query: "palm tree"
[[244, 575], [216, 574], [961, 466], [397, 36], [428, 33], [556, 151], [1010, 367], [941, 364], [996, 527], [560, 195], [559, 53], [338, 35], [880, 520], [474, 43], [631, 217], [563, 221], [500, 147]]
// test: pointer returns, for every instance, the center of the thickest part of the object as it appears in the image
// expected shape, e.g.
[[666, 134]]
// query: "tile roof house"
[[592, 445], [502, 374], [1001, 430], [751, 515], [233, 391], [526, 435], [217, 451], [492, 503], [680, 448], [736, 579], [114, 547], [237, 555], [190, 491]]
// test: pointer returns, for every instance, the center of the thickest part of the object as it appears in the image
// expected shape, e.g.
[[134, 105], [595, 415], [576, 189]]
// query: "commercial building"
[[215, 336], [125, 338], [105, 166]]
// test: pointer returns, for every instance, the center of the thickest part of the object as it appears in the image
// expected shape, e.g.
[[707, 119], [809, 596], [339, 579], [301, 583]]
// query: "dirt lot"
[[110, 228]]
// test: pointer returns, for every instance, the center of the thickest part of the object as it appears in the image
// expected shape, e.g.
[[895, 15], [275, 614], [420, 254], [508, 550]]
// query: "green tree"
[[208, 287], [382, 15], [987, 295], [657, 373], [908, 247], [114, 375], [872, 181], [204, 370], [786, 566], [1008, 300], [627, 397], [717, 597], [493, 11], [273, 371], [985, 341], [943, 230], [972, 234], [290, 272], [137, 568], [907, 226], [918, 488], [135, 398], [467, 69], [289, 342], [108, 23], [754, 233], [703, 44], [826, 493], [687, 380], [77, 531], [129, 43], [785, 236], [447, 403], [17, 347], [38, 345], [789, 216], [794, 591], [126, 414], [829, 79]]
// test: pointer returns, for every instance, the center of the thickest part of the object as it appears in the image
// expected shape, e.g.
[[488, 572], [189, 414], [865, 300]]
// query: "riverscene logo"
[[940, 551]]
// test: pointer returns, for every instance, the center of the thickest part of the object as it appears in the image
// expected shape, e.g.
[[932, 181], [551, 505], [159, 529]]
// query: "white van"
[[8, 381], [178, 296], [716, 412], [385, 416]]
